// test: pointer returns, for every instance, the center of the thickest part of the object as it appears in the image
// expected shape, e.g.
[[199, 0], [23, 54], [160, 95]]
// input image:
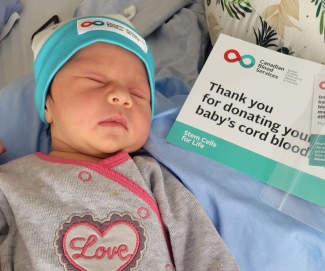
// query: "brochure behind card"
[[317, 151], [251, 109]]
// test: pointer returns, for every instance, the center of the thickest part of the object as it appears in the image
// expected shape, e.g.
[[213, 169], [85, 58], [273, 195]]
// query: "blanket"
[[9, 14]]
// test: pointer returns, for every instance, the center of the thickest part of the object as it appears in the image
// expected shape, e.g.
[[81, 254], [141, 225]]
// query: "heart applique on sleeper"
[[86, 243]]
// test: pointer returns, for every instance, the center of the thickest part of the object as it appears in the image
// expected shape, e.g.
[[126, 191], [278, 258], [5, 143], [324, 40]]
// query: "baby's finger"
[[2, 148]]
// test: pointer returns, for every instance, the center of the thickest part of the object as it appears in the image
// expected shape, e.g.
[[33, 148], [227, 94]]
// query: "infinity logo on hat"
[[98, 23]]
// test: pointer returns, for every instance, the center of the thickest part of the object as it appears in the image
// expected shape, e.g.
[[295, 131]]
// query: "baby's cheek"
[[145, 133], [81, 114]]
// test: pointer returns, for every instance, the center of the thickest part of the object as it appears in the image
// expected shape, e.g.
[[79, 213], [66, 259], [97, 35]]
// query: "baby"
[[91, 203]]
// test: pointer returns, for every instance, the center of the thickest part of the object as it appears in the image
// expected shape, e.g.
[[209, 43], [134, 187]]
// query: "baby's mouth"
[[114, 121]]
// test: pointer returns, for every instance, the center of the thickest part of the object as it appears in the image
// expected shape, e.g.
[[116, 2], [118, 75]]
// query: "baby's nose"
[[119, 95]]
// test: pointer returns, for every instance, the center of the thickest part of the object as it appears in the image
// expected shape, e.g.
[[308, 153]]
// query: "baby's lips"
[[117, 119]]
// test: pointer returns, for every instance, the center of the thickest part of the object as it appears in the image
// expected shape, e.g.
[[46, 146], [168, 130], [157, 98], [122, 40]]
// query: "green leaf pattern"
[[235, 8], [265, 35], [320, 11]]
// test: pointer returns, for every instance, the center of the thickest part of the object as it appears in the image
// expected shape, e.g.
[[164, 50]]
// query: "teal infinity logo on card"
[[239, 58]]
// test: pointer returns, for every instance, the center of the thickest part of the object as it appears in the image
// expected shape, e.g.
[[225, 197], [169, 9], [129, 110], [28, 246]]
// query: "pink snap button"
[[143, 212], [84, 176]]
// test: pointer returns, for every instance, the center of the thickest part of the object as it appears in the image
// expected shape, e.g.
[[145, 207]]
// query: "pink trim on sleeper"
[[108, 162]]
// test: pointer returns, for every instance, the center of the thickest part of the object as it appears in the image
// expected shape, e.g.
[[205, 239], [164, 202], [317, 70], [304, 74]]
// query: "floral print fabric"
[[294, 27]]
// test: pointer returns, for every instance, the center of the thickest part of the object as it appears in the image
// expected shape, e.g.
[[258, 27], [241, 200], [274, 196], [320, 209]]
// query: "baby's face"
[[100, 102]]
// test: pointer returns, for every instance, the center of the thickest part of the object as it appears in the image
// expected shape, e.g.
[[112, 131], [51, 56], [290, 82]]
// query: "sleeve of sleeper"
[[4, 228], [196, 244]]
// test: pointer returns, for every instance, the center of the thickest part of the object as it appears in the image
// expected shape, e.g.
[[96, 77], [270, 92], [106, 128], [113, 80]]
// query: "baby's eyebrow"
[[87, 60], [89, 67]]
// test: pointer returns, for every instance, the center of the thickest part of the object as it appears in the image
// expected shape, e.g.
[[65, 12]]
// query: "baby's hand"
[[2, 148]]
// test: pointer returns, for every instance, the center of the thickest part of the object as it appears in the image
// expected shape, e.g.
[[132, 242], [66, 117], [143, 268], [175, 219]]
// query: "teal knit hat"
[[53, 47]]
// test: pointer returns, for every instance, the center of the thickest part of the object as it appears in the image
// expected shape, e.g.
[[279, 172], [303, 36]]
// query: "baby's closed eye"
[[139, 93]]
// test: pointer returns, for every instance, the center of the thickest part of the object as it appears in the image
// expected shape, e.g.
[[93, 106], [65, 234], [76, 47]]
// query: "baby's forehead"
[[97, 50], [106, 55], [104, 47]]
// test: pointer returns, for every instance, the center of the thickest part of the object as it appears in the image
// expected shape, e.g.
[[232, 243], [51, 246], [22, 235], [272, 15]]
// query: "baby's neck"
[[76, 156]]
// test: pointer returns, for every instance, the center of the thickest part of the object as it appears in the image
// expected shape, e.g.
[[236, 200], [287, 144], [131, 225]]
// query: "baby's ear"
[[47, 110]]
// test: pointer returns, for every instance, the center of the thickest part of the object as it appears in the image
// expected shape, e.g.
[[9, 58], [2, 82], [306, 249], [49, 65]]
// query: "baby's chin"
[[129, 149], [102, 151]]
